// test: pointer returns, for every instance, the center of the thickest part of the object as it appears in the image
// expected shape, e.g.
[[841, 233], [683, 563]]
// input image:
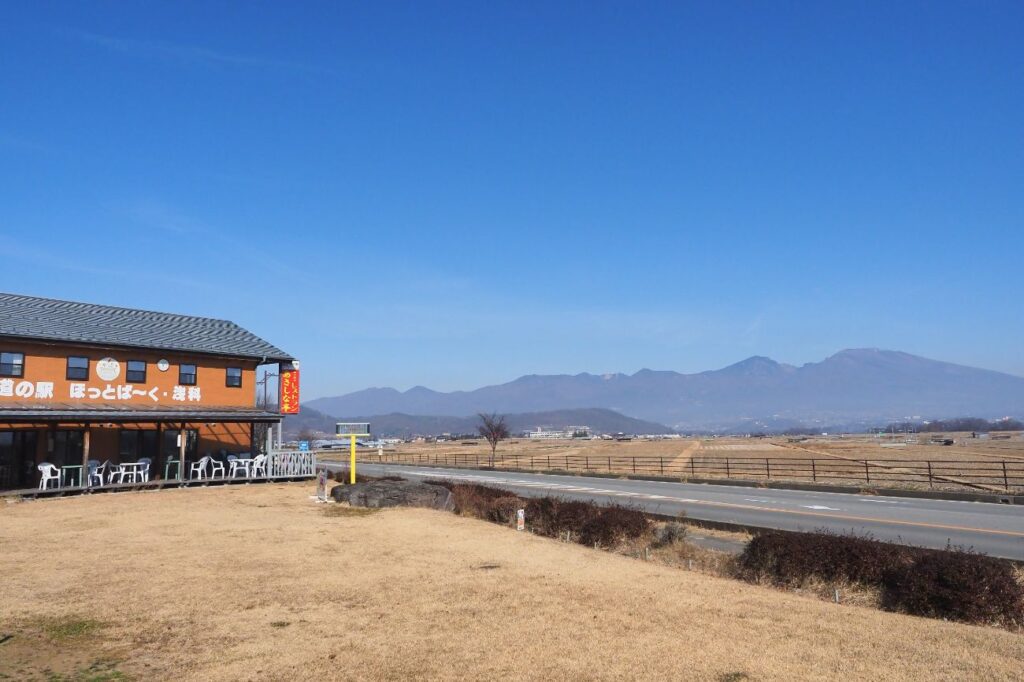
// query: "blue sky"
[[455, 194]]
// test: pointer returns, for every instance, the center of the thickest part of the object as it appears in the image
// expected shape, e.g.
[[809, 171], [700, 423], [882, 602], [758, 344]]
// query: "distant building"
[[566, 434]]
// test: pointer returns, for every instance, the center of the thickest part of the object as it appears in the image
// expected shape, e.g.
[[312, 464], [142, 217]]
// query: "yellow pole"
[[352, 461]]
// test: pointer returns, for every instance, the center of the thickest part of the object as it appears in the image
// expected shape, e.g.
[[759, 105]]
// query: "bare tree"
[[493, 428]]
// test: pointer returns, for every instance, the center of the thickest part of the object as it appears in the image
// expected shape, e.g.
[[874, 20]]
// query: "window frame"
[[227, 377], [68, 368], [128, 371], [194, 374], [20, 365]]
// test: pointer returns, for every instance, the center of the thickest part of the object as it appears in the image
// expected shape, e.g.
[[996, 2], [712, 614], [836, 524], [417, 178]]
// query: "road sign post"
[[352, 460], [353, 430]]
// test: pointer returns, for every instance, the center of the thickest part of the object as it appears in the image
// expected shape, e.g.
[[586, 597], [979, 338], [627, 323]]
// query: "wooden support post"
[[160, 456], [85, 457], [182, 441]]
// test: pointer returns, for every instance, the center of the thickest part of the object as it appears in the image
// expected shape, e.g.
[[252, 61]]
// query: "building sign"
[[108, 369], [43, 390], [289, 382]]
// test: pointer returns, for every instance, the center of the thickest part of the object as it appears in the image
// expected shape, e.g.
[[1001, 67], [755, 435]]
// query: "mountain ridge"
[[856, 384]]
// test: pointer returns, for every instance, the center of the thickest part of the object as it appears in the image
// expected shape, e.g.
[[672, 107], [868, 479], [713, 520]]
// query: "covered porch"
[[59, 451]]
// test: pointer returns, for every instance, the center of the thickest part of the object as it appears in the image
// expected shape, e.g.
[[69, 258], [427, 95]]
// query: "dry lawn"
[[258, 582]]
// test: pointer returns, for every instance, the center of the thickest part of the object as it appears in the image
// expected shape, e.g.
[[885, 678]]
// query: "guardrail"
[[991, 475]]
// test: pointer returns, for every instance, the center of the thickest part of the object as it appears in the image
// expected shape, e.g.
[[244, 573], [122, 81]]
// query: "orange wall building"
[[83, 382]]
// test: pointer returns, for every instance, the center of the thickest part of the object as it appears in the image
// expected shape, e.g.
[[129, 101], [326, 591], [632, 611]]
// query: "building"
[[82, 382], [568, 433]]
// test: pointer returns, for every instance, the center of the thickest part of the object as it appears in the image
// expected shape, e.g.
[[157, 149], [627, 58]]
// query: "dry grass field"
[[258, 582], [968, 463]]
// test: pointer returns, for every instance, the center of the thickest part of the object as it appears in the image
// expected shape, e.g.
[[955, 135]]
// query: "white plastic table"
[[243, 464], [132, 469]]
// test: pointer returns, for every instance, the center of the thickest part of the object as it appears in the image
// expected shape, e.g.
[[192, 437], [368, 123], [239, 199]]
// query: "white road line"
[[818, 506]]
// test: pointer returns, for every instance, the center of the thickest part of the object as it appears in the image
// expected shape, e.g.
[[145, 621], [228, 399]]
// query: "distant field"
[[970, 463], [260, 583]]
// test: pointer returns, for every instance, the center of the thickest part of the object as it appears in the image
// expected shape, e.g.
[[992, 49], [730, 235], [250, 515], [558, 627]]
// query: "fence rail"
[[289, 464], [990, 475]]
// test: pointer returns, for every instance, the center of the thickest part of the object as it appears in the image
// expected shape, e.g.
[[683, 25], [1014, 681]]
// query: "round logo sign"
[[162, 365], [108, 369]]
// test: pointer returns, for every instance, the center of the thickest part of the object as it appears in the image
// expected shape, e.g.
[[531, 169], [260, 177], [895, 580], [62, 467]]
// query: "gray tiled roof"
[[47, 319]]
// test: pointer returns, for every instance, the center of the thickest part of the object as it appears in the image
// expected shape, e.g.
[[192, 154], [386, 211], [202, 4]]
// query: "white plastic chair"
[[198, 469], [235, 466], [110, 470], [94, 474], [215, 466], [143, 471], [47, 473], [259, 465]]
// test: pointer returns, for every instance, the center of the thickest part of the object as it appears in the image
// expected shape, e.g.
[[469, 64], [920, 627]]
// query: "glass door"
[[169, 448], [17, 459]]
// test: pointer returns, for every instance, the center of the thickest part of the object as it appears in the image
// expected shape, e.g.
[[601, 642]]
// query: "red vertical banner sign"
[[289, 383]]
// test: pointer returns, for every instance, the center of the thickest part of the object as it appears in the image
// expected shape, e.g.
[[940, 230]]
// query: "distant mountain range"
[[406, 425], [852, 386]]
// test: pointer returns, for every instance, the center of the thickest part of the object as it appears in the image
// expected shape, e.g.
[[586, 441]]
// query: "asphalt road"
[[993, 529]]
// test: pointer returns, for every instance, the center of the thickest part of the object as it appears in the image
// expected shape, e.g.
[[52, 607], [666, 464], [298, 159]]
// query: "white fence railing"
[[286, 464]]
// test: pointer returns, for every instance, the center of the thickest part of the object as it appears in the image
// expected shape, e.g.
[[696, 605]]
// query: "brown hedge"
[[954, 585], [587, 522], [951, 584], [792, 558]]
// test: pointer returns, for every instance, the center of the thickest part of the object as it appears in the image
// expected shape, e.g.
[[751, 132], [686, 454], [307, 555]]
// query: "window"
[[136, 373], [12, 364], [135, 444], [78, 368], [187, 375], [234, 377], [68, 447]]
